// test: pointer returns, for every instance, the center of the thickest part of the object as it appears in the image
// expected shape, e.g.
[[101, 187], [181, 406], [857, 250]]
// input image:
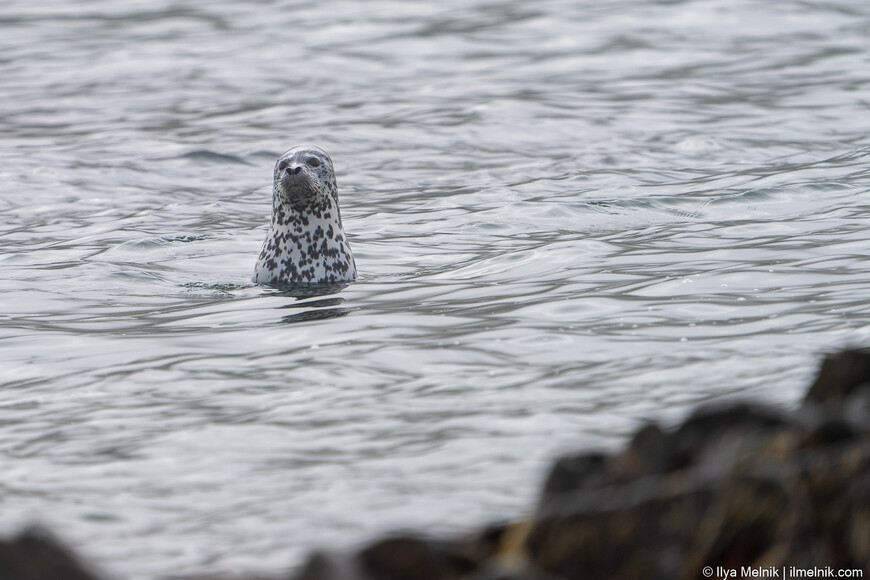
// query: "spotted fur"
[[306, 243]]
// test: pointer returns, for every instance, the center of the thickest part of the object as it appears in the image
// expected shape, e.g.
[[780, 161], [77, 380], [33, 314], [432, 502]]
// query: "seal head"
[[304, 176], [306, 244]]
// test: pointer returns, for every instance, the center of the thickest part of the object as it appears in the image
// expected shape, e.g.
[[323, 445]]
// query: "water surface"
[[569, 217]]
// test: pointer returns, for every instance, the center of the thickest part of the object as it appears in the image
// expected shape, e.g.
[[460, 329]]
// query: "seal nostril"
[[296, 170]]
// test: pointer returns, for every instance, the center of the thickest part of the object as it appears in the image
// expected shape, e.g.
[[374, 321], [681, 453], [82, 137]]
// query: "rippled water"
[[568, 216]]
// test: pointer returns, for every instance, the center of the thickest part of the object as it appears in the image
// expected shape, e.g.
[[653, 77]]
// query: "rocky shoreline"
[[742, 488]]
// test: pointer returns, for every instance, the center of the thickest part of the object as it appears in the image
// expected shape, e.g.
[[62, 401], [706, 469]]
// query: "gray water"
[[569, 217]]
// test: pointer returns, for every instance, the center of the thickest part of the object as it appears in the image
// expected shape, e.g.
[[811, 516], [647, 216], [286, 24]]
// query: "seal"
[[306, 244]]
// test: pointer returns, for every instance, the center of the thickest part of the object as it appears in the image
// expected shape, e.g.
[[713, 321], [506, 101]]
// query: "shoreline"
[[735, 490]]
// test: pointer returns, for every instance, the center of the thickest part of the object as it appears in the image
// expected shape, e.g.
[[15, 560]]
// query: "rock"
[[415, 558], [840, 375], [408, 557], [702, 441], [575, 472], [812, 509], [37, 555], [734, 485], [330, 566], [829, 431]]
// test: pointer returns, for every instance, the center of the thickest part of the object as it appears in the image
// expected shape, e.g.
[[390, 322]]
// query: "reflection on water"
[[321, 303], [567, 217], [315, 314], [310, 291], [322, 309]]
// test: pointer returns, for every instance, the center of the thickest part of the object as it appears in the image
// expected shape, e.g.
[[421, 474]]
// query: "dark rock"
[[575, 472], [650, 448], [495, 571], [487, 542], [494, 539], [415, 558], [830, 431], [329, 566], [616, 533], [794, 506], [706, 440], [840, 375], [748, 518], [711, 425], [734, 485], [238, 575], [37, 555]]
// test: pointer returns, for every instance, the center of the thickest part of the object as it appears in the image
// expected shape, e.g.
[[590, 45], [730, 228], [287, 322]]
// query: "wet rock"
[[330, 566], [631, 531], [408, 557], [37, 555], [415, 558], [497, 571], [706, 441], [829, 431], [807, 507], [711, 425], [575, 472], [648, 452], [841, 374]]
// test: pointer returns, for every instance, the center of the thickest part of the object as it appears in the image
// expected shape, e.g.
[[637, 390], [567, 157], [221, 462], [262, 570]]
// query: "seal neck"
[[286, 212]]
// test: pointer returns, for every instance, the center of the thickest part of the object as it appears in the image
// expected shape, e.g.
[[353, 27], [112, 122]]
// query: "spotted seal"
[[306, 244]]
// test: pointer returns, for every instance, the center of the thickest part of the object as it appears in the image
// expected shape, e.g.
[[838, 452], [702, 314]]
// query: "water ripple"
[[568, 218]]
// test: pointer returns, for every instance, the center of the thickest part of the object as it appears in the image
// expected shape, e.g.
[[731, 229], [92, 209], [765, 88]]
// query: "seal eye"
[[313, 162], [282, 165]]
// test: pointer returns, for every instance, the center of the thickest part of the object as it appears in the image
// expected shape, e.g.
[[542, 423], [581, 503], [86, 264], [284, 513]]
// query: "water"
[[569, 217]]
